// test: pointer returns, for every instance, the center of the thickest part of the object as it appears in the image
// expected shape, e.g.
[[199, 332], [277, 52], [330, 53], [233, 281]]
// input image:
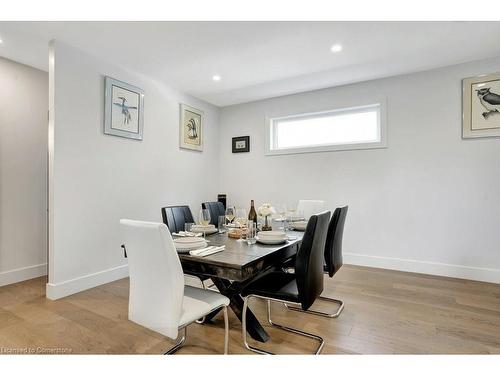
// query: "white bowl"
[[299, 225], [271, 240], [272, 233], [206, 230]]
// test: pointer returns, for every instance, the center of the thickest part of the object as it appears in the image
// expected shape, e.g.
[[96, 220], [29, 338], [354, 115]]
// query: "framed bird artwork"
[[481, 106], [190, 128], [123, 109]]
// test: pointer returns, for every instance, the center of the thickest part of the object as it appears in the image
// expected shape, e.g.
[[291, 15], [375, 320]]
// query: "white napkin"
[[187, 234], [207, 251]]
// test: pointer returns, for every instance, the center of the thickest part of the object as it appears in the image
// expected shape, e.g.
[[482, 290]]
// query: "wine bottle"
[[252, 214]]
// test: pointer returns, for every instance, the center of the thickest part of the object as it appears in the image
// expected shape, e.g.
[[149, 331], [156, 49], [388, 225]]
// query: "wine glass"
[[230, 214], [281, 211], [241, 219], [204, 219]]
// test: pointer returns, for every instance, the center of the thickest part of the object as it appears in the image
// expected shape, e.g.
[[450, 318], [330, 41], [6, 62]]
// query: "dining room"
[[255, 188]]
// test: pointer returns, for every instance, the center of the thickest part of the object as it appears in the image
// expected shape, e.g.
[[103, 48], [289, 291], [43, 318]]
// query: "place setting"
[[204, 225], [186, 233], [299, 225], [272, 237], [196, 246], [257, 226], [203, 229]]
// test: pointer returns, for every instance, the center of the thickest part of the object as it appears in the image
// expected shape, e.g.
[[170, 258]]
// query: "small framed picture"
[[481, 106], [123, 109], [241, 144], [191, 128]]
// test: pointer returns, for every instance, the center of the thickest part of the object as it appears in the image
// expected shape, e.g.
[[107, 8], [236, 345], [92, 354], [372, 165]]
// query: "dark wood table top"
[[239, 261]]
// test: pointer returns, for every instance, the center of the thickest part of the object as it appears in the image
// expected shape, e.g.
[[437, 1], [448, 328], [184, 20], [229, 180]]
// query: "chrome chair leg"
[[244, 328], [179, 344], [226, 331], [296, 331], [321, 313], [210, 287], [285, 328], [202, 320]]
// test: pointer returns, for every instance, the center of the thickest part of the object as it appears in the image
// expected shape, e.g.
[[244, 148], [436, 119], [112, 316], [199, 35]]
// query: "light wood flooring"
[[386, 312]]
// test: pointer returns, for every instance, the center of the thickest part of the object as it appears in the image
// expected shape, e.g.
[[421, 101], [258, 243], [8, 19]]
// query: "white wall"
[[97, 179], [428, 203], [23, 172]]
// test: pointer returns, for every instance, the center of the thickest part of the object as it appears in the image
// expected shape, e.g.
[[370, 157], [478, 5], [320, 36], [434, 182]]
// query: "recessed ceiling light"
[[336, 48], [216, 77], [1, 41]]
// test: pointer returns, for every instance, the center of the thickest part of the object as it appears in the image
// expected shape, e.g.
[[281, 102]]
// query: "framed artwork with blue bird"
[[123, 109], [481, 106]]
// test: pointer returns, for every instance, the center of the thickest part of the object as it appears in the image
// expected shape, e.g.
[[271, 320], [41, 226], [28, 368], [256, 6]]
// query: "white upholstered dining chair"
[[310, 207], [158, 298]]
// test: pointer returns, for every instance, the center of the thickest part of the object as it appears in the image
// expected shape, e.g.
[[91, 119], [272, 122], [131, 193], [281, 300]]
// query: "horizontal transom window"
[[340, 129]]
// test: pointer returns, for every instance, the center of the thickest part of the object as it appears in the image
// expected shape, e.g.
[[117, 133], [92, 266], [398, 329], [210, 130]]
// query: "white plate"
[[272, 234], [207, 231], [190, 246], [271, 241], [189, 240], [186, 248], [299, 225]]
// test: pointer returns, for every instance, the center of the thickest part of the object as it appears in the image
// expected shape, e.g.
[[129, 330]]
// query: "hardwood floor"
[[386, 312]]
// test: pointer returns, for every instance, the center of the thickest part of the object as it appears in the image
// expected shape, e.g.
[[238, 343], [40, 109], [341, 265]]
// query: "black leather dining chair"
[[300, 288], [333, 258], [175, 217], [216, 209]]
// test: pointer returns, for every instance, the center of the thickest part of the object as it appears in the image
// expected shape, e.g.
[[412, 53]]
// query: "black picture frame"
[[237, 144]]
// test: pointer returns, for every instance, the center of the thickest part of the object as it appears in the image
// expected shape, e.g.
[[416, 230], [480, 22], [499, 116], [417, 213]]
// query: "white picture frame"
[[123, 109], [481, 106], [190, 128]]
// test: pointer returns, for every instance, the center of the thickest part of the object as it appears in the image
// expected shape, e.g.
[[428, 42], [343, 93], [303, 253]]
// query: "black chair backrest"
[[333, 247], [310, 259], [216, 209], [176, 216]]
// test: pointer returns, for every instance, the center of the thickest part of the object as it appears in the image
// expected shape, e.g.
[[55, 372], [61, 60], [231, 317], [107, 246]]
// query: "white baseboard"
[[66, 288], [22, 274], [490, 275]]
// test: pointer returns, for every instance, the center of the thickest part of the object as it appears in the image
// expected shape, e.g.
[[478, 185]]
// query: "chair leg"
[[210, 287], [296, 331], [179, 344], [202, 320], [285, 328], [244, 328], [226, 331], [321, 313]]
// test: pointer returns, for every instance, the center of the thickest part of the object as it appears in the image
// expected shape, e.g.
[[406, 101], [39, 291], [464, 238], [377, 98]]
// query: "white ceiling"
[[258, 60]]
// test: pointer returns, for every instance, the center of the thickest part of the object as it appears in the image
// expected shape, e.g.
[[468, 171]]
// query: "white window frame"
[[382, 127]]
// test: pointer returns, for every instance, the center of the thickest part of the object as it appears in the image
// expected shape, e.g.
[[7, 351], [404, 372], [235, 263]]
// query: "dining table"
[[238, 265]]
